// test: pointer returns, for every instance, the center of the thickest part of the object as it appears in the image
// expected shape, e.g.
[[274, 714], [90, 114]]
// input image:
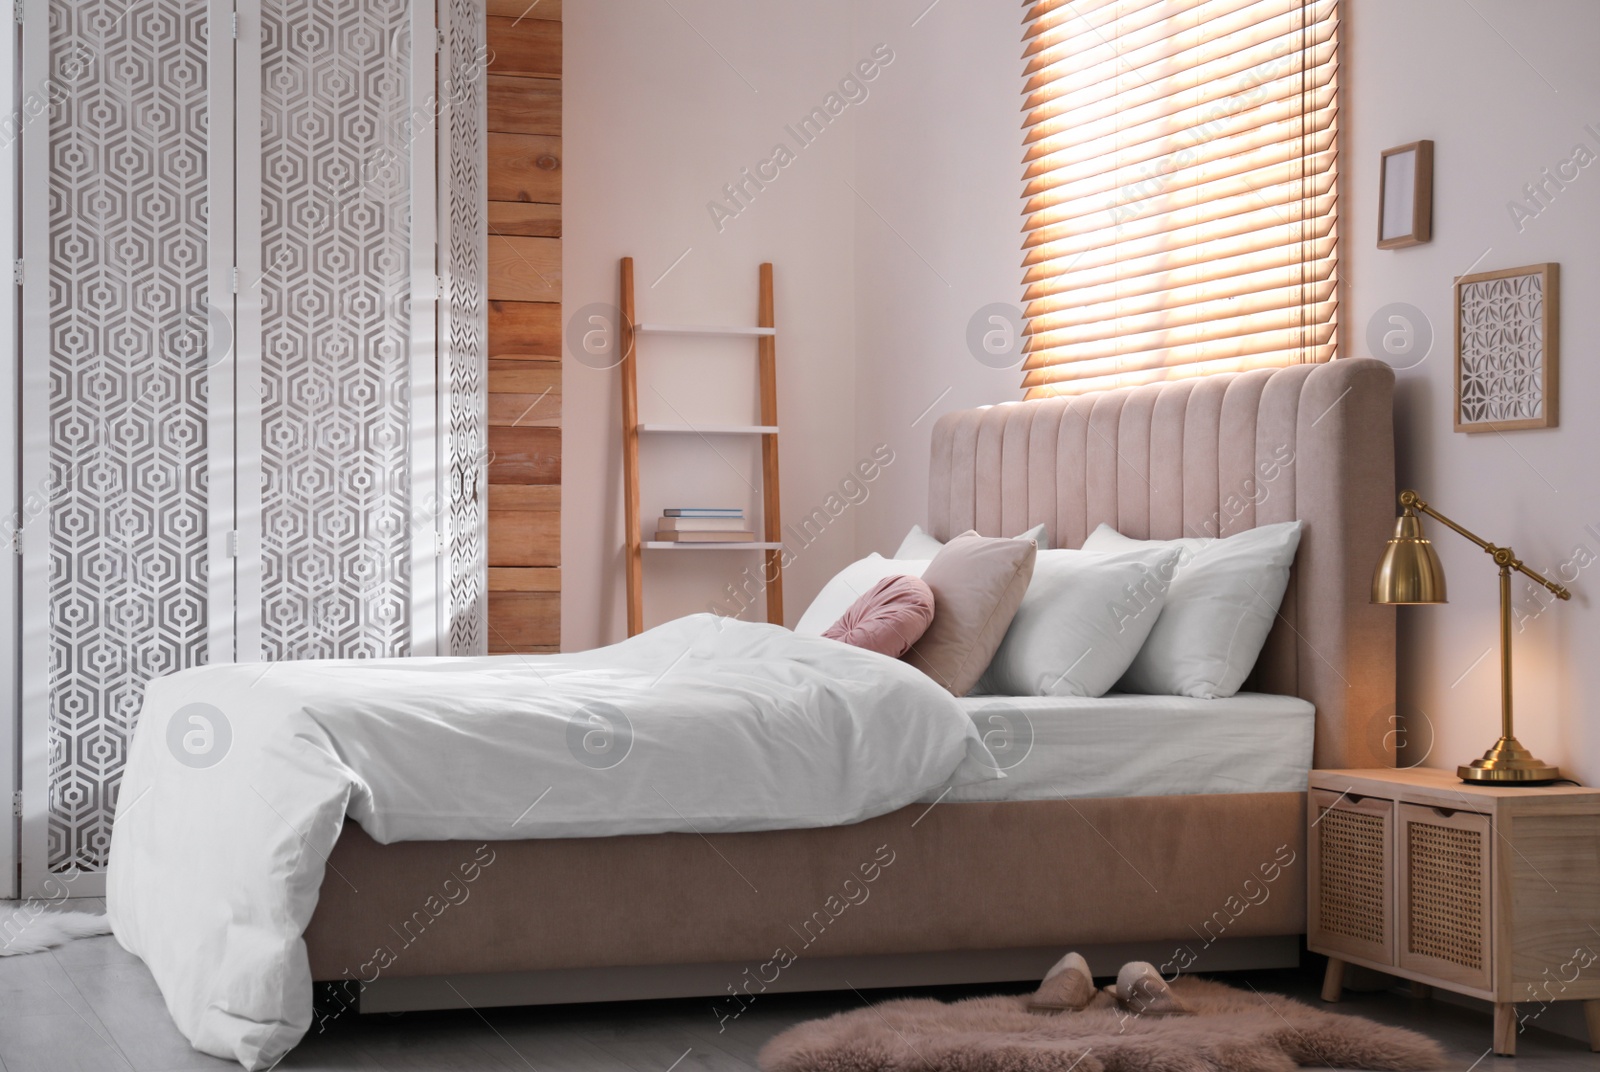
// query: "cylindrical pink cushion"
[[890, 618]]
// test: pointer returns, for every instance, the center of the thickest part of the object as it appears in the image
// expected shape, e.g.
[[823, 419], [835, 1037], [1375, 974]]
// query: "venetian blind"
[[1182, 189]]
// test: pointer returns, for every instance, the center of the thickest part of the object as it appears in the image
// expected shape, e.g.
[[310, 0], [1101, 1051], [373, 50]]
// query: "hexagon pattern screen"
[[1502, 350], [127, 410], [336, 326], [129, 350]]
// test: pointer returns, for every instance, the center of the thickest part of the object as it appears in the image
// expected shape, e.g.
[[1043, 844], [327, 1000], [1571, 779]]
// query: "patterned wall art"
[[1508, 349]]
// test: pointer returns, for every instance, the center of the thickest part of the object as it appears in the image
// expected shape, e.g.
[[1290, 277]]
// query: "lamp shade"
[[1410, 570]]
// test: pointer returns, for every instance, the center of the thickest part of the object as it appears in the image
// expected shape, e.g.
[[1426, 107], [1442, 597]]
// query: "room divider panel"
[[249, 432], [341, 322], [463, 323]]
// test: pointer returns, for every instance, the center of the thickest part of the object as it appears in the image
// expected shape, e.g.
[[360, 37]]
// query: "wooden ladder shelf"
[[771, 544]]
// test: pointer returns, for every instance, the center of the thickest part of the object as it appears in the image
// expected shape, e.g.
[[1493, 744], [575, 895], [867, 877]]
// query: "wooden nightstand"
[[1483, 891]]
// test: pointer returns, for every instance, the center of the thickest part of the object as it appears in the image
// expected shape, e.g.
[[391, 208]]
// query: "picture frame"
[[1405, 195], [1508, 349]]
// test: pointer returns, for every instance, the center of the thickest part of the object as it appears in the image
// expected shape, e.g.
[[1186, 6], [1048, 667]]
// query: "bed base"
[[656, 981], [965, 892]]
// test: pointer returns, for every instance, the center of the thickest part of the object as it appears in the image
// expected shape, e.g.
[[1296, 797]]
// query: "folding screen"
[[244, 434]]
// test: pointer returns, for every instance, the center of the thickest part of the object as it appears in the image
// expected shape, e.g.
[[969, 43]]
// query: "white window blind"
[[1181, 212]]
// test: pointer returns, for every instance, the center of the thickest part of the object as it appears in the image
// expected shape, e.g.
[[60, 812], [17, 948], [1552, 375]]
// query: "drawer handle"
[[1444, 813], [1354, 798]]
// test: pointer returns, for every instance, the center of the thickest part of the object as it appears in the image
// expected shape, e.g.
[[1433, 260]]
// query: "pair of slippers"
[[1140, 989]]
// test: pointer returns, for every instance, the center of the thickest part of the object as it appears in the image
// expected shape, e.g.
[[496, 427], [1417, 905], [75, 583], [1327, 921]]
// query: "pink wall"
[[891, 237]]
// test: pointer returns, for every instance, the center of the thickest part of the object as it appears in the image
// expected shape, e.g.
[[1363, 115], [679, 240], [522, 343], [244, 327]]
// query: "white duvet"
[[240, 776]]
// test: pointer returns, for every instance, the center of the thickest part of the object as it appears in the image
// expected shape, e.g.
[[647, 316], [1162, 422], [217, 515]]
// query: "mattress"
[[1053, 747]]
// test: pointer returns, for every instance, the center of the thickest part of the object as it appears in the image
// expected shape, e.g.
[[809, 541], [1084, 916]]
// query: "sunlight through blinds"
[[1182, 189]]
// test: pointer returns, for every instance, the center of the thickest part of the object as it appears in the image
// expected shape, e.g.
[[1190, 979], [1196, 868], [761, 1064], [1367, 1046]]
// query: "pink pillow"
[[890, 618], [978, 584]]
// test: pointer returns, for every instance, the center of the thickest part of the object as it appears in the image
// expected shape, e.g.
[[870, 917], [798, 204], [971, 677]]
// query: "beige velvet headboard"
[[1211, 457]]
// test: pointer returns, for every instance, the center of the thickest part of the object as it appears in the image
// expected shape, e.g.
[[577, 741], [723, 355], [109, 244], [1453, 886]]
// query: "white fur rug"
[[31, 929]]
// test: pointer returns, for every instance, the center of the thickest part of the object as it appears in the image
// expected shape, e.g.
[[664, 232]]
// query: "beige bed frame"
[[970, 892]]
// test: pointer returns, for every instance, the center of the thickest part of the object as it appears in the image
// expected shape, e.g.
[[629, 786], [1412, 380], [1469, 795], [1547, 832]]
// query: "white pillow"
[[849, 585], [918, 544], [1219, 610], [1082, 622]]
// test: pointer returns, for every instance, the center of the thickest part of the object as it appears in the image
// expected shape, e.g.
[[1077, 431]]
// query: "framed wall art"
[[1508, 349], [1405, 196]]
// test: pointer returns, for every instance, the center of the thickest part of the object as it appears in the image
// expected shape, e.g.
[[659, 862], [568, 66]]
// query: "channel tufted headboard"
[[1211, 457]]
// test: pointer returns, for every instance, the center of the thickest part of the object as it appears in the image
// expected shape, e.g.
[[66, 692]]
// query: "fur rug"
[[33, 930], [1231, 1031]]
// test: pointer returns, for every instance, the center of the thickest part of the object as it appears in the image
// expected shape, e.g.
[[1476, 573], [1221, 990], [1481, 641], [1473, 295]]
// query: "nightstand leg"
[[1505, 1029], [1421, 991], [1591, 1013], [1333, 981]]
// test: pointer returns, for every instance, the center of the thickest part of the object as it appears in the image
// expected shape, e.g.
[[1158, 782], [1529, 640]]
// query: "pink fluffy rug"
[[1231, 1031]]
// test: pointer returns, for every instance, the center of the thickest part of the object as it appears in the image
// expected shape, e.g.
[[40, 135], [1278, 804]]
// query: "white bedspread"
[[228, 810]]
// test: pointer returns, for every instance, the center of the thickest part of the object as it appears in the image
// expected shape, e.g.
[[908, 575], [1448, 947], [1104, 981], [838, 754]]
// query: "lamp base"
[[1508, 763]]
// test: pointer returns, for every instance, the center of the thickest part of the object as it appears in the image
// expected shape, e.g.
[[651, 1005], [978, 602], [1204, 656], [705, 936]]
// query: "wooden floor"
[[90, 1006]]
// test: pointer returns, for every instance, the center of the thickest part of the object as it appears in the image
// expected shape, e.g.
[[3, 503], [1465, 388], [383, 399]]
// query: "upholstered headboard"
[[1211, 457]]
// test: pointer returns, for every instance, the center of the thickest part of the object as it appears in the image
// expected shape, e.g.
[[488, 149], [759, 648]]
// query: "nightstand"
[[1487, 891]]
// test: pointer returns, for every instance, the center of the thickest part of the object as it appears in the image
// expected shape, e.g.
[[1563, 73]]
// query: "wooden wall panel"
[[517, 218], [528, 538], [524, 456], [529, 623], [530, 47], [525, 9], [524, 394], [525, 331], [525, 167], [519, 105], [524, 580], [527, 521], [524, 269], [528, 330]]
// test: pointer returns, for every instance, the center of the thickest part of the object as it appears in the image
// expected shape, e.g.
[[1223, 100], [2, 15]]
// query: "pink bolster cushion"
[[890, 618]]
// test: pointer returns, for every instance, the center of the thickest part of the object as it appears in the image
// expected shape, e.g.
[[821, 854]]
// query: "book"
[[704, 511], [705, 537], [700, 524]]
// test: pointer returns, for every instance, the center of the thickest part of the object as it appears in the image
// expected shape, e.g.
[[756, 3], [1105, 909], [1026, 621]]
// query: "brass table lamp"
[[1410, 573]]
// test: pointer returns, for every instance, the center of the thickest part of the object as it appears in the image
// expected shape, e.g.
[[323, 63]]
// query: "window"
[[1182, 189]]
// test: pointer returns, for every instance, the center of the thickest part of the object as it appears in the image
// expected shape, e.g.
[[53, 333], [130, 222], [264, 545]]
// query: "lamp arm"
[[1504, 557]]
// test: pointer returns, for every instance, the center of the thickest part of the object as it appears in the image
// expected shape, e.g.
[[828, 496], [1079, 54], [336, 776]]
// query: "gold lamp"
[[1410, 573]]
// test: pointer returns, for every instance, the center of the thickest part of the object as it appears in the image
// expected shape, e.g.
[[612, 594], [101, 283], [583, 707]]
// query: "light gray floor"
[[90, 1006]]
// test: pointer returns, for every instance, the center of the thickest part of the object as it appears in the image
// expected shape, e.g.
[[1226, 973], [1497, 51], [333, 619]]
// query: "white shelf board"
[[702, 329], [669, 545], [712, 429]]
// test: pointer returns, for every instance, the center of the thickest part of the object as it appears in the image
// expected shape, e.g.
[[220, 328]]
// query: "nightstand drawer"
[[1351, 850], [1444, 897]]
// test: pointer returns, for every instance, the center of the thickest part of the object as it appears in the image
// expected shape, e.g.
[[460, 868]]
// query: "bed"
[[1198, 868], [979, 890]]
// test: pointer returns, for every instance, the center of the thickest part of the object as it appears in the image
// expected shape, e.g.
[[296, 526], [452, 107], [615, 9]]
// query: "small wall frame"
[[1405, 196], [1508, 349]]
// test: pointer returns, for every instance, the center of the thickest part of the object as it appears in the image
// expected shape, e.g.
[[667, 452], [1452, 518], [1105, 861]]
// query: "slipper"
[[1067, 987], [1142, 991]]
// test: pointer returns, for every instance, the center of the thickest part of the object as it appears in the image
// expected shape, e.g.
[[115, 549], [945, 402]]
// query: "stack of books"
[[703, 524]]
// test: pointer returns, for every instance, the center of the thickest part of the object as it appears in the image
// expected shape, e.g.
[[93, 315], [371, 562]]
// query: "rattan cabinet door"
[[1351, 847], [1443, 860]]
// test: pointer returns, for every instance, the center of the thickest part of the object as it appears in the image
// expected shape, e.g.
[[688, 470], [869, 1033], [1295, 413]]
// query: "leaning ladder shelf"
[[771, 543]]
